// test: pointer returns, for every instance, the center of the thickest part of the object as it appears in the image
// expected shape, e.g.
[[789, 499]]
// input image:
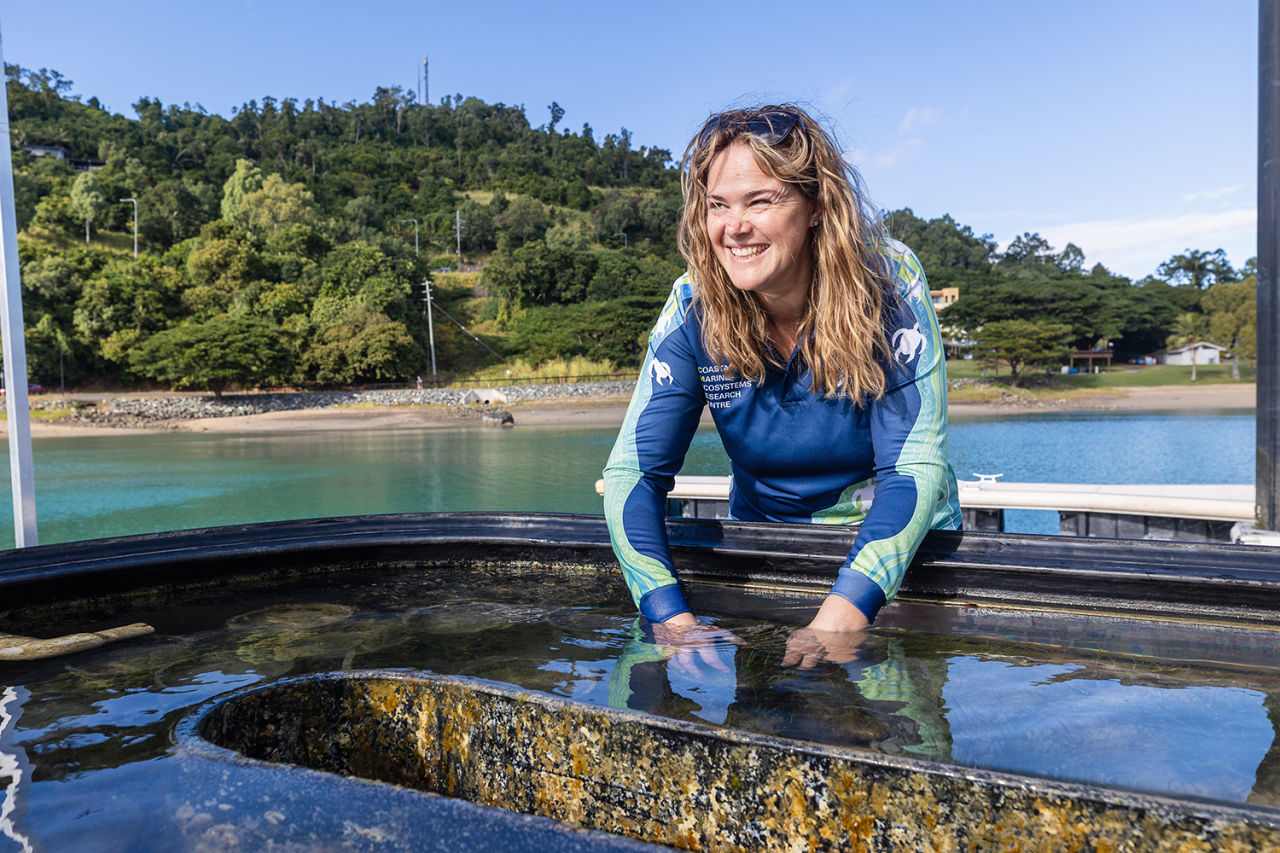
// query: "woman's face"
[[759, 228]]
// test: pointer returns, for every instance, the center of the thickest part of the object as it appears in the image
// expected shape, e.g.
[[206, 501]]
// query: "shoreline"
[[609, 411]]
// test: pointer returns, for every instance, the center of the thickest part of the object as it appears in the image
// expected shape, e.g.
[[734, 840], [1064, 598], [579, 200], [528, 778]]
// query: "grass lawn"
[[1120, 376]]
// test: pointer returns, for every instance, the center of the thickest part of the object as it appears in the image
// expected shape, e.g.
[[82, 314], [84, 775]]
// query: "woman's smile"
[[759, 228]]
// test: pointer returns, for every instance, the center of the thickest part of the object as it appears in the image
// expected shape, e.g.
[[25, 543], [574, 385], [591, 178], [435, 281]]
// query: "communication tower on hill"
[[424, 98]]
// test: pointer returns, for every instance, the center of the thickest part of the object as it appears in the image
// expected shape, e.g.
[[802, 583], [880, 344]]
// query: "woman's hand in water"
[[689, 645], [834, 635]]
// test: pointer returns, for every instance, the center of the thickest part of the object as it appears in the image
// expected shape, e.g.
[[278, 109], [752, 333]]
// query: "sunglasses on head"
[[770, 126]]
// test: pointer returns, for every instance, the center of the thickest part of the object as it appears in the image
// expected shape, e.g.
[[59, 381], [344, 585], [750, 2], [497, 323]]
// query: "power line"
[[469, 333]]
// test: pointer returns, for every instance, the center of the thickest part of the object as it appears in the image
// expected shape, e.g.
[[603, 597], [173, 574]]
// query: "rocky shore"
[[169, 411], [568, 403]]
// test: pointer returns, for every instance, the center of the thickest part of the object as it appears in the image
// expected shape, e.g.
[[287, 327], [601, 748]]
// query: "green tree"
[[221, 264], [169, 212], [213, 354], [246, 179], [1024, 344], [54, 212], [943, 245], [1029, 250], [362, 345], [1232, 308], [26, 194], [88, 201], [122, 303], [526, 218], [1189, 329], [603, 331], [1197, 268], [277, 205]]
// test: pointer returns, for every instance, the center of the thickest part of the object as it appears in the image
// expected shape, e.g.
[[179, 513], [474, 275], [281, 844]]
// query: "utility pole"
[[431, 329], [135, 223], [415, 233]]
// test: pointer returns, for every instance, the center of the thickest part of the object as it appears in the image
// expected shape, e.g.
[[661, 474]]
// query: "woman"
[[811, 337]]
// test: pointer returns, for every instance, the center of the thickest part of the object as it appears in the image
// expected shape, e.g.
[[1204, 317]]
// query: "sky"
[[1128, 127]]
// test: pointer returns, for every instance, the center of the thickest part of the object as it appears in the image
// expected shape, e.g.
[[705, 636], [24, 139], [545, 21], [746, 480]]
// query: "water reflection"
[[14, 769], [1062, 720]]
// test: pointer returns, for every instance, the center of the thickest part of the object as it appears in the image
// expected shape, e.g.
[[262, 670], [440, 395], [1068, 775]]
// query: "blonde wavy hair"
[[841, 336]]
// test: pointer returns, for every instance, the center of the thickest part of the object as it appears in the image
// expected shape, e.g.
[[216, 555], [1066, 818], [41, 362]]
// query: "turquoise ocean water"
[[112, 485]]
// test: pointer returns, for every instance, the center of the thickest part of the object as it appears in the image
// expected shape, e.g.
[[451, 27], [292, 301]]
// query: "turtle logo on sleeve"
[[908, 343], [661, 372], [664, 323], [915, 291]]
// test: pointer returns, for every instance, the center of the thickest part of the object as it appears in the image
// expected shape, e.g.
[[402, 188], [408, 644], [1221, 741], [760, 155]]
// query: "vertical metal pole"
[[21, 475], [1268, 470], [135, 223], [415, 233], [457, 230], [431, 330]]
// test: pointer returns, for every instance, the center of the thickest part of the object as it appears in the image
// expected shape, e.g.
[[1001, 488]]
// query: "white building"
[[1205, 353]]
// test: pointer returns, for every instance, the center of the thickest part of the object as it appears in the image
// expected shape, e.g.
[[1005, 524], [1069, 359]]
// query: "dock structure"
[[1200, 512]]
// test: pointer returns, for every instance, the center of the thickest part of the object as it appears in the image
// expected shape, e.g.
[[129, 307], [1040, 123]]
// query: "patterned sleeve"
[[914, 486], [649, 451]]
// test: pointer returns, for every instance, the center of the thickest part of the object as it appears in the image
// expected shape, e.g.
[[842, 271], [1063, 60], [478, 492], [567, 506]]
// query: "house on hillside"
[[944, 297], [59, 152], [1204, 353]]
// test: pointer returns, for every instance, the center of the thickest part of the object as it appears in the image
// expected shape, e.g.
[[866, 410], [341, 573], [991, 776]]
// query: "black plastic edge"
[[1225, 581]]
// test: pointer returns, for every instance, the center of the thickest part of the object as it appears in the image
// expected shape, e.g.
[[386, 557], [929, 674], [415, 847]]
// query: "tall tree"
[[1024, 344], [88, 201], [246, 179], [213, 354], [1232, 308], [1198, 268], [1189, 329]]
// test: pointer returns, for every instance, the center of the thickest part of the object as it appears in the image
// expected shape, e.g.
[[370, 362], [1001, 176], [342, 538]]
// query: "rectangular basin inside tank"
[[1164, 710]]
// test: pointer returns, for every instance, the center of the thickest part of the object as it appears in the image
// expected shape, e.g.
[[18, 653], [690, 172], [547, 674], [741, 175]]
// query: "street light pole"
[[415, 233], [135, 223], [431, 329]]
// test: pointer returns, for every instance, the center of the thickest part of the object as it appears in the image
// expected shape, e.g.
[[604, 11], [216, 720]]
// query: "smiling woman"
[[810, 336]]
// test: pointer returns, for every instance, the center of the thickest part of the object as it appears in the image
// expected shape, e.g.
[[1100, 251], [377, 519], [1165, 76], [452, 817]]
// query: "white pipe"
[[21, 474], [1216, 502]]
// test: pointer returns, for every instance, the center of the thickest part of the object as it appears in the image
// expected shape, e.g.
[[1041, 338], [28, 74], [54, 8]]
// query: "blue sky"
[[1128, 127]]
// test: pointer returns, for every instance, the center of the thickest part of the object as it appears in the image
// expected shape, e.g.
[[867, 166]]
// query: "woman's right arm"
[[660, 422]]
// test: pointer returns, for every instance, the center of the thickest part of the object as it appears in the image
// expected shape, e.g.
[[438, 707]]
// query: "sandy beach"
[[609, 411]]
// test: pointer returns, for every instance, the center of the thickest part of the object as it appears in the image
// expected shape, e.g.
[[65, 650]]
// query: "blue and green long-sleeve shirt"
[[796, 456]]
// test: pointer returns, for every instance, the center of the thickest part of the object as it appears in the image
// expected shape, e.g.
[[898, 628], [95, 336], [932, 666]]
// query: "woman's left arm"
[[914, 486]]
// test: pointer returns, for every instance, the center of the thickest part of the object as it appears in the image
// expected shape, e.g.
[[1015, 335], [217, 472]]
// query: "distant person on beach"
[[810, 335]]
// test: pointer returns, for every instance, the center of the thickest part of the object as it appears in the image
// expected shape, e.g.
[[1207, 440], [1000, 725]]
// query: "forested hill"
[[277, 245]]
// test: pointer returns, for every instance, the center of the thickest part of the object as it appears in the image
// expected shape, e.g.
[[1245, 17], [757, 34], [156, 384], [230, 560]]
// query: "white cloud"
[[840, 97], [887, 158], [1135, 247], [1209, 195], [919, 117]]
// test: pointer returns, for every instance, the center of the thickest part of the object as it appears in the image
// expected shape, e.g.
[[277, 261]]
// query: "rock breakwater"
[[168, 411]]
